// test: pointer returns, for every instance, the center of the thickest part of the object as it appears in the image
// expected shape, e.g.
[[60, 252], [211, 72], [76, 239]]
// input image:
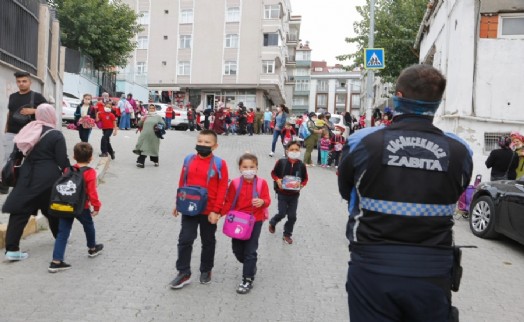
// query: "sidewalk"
[[300, 282]]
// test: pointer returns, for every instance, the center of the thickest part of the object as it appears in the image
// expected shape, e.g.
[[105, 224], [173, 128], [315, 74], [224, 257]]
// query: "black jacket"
[[402, 182]]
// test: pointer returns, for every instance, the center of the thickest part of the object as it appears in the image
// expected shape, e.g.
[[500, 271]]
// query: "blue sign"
[[374, 58]]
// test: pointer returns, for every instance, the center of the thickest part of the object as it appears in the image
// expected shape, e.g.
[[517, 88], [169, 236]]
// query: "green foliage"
[[98, 28], [396, 26]]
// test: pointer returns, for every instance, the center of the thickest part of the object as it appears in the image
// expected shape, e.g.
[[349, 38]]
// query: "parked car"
[[68, 108], [179, 123], [497, 208]]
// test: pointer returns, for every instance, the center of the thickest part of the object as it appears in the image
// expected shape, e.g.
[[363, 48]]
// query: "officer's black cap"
[[21, 74]]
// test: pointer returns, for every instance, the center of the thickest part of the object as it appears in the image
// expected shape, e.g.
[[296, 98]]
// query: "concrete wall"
[[78, 85], [484, 92], [140, 93]]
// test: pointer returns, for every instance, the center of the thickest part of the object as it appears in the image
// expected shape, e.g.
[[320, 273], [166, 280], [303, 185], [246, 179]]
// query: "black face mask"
[[203, 150]]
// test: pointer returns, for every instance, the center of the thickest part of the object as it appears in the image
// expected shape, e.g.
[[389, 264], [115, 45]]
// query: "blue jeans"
[[168, 123], [287, 205], [246, 251], [276, 136], [125, 121], [188, 234], [266, 126], [64, 229]]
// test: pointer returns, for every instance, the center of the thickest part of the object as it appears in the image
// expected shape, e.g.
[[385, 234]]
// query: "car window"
[[335, 119]]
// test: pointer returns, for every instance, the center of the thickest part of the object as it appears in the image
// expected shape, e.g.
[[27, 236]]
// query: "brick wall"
[[488, 26]]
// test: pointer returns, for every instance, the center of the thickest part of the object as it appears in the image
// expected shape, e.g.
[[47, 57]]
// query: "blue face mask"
[[408, 106]]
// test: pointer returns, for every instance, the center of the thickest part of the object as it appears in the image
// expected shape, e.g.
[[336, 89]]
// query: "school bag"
[[303, 131], [289, 181], [69, 194], [239, 224], [192, 200]]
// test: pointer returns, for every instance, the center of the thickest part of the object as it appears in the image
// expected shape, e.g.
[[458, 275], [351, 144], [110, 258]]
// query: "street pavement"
[[300, 282]]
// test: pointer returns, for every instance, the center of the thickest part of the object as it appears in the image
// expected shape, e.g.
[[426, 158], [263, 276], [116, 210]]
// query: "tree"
[[396, 26], [98, 28]]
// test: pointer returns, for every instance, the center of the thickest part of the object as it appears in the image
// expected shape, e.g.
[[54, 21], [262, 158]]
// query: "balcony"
[[290, 60], [290, 80]]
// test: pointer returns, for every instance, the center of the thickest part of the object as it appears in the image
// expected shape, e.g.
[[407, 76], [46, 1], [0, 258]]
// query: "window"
[[321, 100], [322, 86], [141, 68], [303, 55], [232, 41], [491, 139], [303, 100], [230, 68], [268, 66], [270, 39], [233, 14], [143, 42], [143, 18], [185, 41], [341, 83], [341, 99], [186, 16], [272, 11], [302, 85], [302, 72], [512, 26], [355, 101], [184, 68]]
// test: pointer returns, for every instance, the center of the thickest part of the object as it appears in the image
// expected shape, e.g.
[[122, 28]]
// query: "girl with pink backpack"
[[245, 209]]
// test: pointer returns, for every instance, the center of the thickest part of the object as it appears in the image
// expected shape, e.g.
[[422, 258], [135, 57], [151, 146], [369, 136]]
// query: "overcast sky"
[[325, 24]]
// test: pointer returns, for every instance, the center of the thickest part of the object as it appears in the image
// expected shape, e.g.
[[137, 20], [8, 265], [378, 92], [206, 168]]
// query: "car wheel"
[[482, 218]]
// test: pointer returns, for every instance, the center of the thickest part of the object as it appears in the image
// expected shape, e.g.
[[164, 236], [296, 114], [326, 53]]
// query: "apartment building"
[[205, 51], [334, 89]]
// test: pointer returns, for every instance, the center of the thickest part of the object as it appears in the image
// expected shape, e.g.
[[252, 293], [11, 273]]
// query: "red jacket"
[[92, 194], [250, 117], [245, 198], [197, 176], [108, 120]]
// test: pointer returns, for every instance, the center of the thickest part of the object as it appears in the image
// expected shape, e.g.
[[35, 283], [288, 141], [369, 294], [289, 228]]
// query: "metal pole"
[[370, 73]]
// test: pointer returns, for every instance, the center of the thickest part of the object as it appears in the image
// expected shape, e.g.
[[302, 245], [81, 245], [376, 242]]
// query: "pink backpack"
[[239, 224]]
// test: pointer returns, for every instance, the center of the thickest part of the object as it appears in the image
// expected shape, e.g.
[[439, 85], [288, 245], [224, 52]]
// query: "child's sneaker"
[[16, 256], [96, 251], [245, 286], [271, 154], [271, 228], [62, 266], [205, 277], [180, 280]]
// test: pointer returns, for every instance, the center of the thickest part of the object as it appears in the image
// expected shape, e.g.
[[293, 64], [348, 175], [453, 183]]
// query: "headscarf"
[[30, 134]]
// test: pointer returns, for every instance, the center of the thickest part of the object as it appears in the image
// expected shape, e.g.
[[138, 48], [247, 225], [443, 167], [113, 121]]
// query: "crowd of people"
[[400, 231]]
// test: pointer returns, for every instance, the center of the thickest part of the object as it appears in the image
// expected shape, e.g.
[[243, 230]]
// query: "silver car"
[[180, 121]]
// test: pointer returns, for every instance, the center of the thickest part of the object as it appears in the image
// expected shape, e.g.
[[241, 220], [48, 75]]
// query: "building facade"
[[207, 51], [478, 46], [334, 89]]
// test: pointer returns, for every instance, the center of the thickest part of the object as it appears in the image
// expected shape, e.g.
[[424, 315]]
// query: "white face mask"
[[249, 174], [107, 109], [336, 132], [293, 155]]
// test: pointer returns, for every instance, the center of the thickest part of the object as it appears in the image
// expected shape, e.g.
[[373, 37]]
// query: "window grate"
[[491, 140]]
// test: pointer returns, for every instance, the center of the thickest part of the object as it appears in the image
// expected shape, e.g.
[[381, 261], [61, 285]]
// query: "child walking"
[[325, 144], [337, 142], [83, 154], [241, 197], [287, 134], [207, 171], [290, 176], [108, 120]]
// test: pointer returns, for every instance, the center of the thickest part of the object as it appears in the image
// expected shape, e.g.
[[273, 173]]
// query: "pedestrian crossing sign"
[[374, 58]]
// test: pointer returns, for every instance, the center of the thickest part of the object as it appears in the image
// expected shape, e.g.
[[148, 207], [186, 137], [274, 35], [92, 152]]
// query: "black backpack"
[[69, 194]]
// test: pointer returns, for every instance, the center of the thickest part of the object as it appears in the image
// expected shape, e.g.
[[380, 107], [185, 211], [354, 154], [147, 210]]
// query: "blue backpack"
[[303, 131], [192, 200]]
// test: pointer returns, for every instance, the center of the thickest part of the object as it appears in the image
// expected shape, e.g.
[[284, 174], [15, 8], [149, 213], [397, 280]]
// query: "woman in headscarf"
[[517, 144], [148, 143], [45, 154]]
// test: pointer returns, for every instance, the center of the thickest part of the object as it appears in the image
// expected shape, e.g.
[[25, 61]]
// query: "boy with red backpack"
[[248, 194], [200, 197]]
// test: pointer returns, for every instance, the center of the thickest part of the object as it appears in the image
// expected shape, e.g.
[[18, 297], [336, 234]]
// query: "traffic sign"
[[374, 58]]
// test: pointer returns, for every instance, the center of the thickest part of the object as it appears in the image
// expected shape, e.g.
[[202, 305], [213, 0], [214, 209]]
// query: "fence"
[[19, 33]]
